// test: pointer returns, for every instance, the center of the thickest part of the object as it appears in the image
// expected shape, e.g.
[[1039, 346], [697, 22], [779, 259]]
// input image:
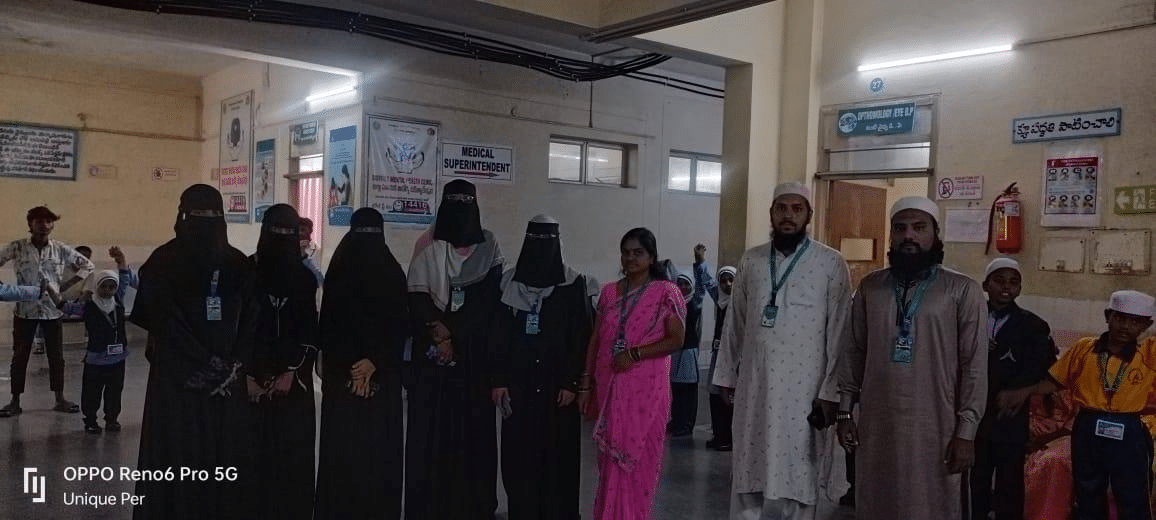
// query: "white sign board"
[[960, 188], [1067, 126], [478, 162]]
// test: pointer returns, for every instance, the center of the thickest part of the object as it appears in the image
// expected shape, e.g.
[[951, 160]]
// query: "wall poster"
[[39, 152], [236, 156], [264, 178], [340, 168], [402, 169], [1071, 186]]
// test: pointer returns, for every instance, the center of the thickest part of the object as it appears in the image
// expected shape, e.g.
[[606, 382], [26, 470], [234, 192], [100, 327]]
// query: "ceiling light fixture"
[[936, 57], [344, 90]]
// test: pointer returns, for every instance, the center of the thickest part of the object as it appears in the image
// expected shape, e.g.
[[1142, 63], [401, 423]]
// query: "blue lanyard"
[[776, 282], [623, 312], [908, 310]]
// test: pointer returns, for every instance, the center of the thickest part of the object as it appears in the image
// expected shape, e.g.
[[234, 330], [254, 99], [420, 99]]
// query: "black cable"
[[433, 39]]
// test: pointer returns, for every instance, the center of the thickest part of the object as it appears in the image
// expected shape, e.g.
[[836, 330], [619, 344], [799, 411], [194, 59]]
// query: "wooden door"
[[855, 211]]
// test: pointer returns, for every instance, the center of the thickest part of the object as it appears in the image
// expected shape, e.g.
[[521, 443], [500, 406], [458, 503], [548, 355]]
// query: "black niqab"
[[459, 222], [278, 250], [362, 273], [540, 262], [200, 227]]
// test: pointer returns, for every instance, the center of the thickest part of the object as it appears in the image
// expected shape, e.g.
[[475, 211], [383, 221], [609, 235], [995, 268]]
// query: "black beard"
[[787, 243], [909, 265]]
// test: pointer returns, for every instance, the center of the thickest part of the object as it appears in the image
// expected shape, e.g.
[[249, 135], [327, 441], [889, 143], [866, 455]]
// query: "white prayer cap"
[[1001, 263], [543, 218], [793, 188], [727, 269], [923, 204], [1132, 302]]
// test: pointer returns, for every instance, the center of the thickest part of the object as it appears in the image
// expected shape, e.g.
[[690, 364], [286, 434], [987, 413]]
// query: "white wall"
[[497, 104]]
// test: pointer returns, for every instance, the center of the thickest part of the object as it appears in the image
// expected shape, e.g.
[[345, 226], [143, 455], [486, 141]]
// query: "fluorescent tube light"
[[331, 93], [936, 57]]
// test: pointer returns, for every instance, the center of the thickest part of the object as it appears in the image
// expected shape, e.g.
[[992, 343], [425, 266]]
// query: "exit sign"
[[1133, 200]]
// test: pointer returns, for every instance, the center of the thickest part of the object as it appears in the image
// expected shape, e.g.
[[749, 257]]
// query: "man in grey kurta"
[[777, 359], [918, 364]]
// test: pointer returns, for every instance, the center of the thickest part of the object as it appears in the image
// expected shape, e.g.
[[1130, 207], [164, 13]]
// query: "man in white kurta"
[[778, 364]]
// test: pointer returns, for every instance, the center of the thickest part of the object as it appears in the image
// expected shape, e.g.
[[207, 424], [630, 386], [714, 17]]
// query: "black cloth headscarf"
[[540, 262], [458, 221], [364, 279], [200, 228], [278, 249]]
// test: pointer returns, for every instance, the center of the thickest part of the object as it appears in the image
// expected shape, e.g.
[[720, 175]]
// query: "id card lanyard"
[[116, 347], [624, 313], [1111, 388], [771, 310], [213, 302], [905, 317], [532, 318]]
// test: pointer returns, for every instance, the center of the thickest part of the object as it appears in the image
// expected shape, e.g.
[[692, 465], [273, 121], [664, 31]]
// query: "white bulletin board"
[[1121, 251]]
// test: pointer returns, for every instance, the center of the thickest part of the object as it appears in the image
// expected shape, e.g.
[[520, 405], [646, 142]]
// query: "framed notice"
[[39, 152], [402, 168], [236, 156], [1071, 194]]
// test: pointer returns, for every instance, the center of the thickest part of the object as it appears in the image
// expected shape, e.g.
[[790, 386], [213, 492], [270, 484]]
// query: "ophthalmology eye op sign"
[[898, 118]]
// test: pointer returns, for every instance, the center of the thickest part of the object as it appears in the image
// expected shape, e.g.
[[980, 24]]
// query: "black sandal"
[[66, 407]]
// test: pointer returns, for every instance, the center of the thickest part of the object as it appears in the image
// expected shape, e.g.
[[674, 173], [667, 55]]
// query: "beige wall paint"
[[132, 210], [757, 36], [980, 96]]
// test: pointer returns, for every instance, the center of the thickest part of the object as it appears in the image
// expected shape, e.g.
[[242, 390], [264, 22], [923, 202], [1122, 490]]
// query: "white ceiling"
[[198, 46], [109, 48]]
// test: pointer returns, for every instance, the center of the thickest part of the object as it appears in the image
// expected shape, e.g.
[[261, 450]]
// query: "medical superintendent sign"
[[478, 162], [898, 118]]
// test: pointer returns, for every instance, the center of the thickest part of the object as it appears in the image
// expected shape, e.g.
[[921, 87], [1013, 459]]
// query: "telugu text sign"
[[37, 151], [968, 187], [1078, 125]]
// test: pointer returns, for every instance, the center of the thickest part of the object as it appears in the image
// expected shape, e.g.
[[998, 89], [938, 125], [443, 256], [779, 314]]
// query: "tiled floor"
[[694, 484]]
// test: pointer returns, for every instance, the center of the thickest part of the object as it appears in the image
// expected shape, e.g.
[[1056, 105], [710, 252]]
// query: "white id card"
[[1109, 430], [115, 348], [213, 308]]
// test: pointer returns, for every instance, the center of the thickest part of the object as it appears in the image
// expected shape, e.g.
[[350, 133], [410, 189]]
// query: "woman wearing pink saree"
[[640, 322]]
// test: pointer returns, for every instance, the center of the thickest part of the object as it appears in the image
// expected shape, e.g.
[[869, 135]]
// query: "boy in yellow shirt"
[[1112, 379]]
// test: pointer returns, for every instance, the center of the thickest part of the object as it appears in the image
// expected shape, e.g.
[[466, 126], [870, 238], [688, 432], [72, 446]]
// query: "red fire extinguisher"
[[1007, 215]]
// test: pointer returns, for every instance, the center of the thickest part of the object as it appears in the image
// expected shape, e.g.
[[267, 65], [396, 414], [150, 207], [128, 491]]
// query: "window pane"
[[603, 165], [708, 178], [678, 174], [566, 162], [311, 163], [911, 157]]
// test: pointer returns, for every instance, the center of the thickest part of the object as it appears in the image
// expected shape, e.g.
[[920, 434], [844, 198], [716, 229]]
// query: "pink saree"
[[633, 406]]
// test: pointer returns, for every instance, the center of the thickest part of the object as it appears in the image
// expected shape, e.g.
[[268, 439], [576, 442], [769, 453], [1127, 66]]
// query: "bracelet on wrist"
[[635, 354], [843, 416]]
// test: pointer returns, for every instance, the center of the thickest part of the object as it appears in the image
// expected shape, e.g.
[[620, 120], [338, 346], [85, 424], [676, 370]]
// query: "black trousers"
[[101, 382], [1005, 462], [1098, 462], [721, 415], [23, 332], [683, 406]]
